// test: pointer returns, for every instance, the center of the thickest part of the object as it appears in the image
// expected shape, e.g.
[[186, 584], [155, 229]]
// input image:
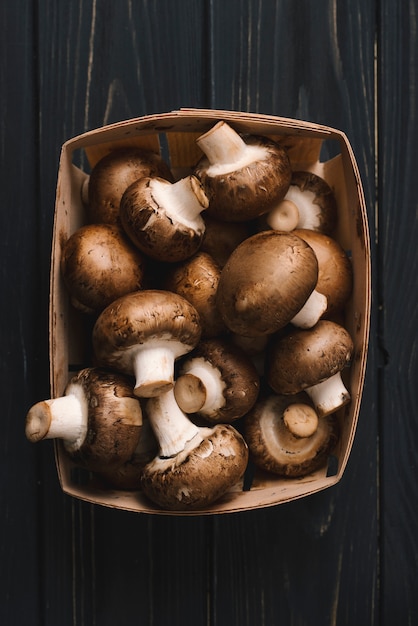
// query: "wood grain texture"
[[347, 555]]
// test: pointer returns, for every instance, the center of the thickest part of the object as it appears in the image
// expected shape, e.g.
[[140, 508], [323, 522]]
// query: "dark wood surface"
[[348, 555]]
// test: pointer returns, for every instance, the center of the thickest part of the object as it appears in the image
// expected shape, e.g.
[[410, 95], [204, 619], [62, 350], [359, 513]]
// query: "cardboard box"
[[174, 135]]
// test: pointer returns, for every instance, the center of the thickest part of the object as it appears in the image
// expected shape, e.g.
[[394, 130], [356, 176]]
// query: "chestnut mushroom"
[[196, 279], [309, 203], [335, 272], [163, 219], [221, 238], [196, 465], [99, 264], [285, 436], [217, 381], [268, 280], [312, 360], [113, 174], [143, 333], [98, 418], [243, 176]]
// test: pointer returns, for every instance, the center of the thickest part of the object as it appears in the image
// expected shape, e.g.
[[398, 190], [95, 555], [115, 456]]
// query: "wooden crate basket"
[[174, 135]]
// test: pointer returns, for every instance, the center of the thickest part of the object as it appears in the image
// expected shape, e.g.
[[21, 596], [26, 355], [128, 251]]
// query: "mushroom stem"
[[312, 310], [200, 388], [226, 150], [329, 395], [300, 419], [285, 216], [171, 426], [59, 418], [183, 200], [153, 366]]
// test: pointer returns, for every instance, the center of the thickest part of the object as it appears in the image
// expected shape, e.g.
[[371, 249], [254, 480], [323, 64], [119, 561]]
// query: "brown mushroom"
[[98, 418], [163, 219], [113, 174], [312, 360], [196, 465], [143, 333], [285, 436], [99, 264], [243, 176], [221, 238], [196, 279], [335, 272], [309, 203], [268, 280], [217, 381]]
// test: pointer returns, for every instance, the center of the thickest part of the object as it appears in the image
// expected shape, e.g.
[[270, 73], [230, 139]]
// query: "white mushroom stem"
[[226, 151], [200, 388], [172, 428], [311, 312], [182, 201], [59, 418], [300, 419], [329, 395], [309, 210], [153, 366], [285, 216]]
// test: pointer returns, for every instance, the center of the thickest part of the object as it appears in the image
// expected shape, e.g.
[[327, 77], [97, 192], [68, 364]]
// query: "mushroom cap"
[[265, 282], [99, 264], [315, 201], [303, 358], [335, 272], [221, 238], [136, 318], [198, 477], [114, 419], [275, 449], [247, 192], [114, 173], [237, 371], [154, 231], [196, 279]]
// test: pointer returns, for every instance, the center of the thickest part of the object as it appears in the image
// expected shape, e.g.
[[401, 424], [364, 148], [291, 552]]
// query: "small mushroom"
[[309, 203], [221, 238], [268, 280], [98, 418], [335, 272], [217, 381], [113, 174], [196, 465], [196, 279], [312, 360], [143, 333], [99, 264], [243, 176], [286, 437], [163, 219]]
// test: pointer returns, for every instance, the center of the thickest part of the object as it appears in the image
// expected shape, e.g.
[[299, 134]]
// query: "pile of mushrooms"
[[216, 303]]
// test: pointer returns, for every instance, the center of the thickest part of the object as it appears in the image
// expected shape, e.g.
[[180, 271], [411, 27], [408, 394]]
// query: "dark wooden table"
[[345, 556]]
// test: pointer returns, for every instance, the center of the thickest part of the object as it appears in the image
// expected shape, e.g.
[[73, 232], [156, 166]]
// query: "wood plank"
[[398, 268]]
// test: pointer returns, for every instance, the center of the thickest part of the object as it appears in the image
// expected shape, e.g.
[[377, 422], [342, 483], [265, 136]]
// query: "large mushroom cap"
[[275, 449], [196, 478], [265, 282], [114, 173], [303, 358], [99, 264]]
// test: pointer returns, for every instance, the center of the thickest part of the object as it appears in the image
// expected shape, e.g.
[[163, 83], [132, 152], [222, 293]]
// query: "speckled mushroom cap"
[[302, 358], [196, 478], [315, 200], [113, 174], [246, 192], [240, 379], [99, 264], [153, 228], [335, 272], [275, 449], [265, 282], [114, 419]]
